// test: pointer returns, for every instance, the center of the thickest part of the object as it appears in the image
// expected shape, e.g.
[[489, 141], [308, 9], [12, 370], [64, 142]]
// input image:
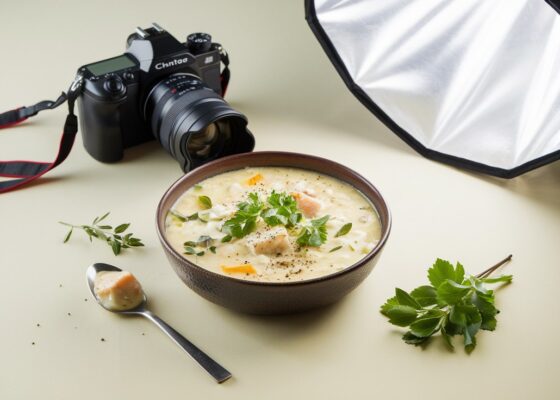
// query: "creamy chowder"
[[273, 224]]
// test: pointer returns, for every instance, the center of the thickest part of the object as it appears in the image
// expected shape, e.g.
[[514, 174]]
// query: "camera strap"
[[225, 74], [23, 171]]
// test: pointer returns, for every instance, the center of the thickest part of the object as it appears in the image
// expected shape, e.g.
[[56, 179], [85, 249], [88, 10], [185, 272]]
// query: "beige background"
[[295, 101]]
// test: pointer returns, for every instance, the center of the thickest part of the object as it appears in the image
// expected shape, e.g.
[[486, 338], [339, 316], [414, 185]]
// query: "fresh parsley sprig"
[[244, 221], [113, 237], [282, 210], [453, 305], [314, 233]]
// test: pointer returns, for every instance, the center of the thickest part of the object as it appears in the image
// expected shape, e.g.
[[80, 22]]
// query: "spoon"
[[212, 367]]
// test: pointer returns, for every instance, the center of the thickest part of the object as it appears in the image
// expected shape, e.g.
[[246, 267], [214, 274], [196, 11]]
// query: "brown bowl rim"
[[295, 156]]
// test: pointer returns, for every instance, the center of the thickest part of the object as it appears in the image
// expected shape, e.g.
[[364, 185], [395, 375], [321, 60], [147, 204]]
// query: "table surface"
[[295, 101]]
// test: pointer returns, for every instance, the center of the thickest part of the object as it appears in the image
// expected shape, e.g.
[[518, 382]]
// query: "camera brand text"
[[172, 63]]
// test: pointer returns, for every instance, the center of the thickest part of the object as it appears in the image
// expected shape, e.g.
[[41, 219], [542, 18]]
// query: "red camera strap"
[[23, 171]]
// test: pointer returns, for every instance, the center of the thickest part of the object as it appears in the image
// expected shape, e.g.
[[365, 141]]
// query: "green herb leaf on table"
[[425, 295], [105, 233], [315, 233], [344, 230], [454, 305]]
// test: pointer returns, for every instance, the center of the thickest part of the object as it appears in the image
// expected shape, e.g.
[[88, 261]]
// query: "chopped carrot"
[[252, 181], [239, 269]]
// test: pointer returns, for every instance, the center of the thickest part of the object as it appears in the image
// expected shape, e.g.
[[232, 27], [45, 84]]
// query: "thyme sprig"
[[113, 237]]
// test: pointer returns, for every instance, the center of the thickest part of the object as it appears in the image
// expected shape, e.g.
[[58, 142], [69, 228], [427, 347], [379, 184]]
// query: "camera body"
[[115, 93]]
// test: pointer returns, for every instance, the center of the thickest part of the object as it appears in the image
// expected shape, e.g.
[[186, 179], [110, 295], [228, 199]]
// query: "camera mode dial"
[[114, 85], [198, 43]]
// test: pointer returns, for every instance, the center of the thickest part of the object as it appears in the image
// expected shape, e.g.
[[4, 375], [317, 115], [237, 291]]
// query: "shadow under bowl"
[[268, 298]]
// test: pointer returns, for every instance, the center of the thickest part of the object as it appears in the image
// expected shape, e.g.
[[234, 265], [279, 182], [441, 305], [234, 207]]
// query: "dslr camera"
[[165, 90]]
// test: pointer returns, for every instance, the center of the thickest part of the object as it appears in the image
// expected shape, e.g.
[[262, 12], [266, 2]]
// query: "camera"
[[165, 90]]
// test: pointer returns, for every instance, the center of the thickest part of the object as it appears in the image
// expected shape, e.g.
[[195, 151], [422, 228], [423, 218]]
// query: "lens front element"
[[193, 123]]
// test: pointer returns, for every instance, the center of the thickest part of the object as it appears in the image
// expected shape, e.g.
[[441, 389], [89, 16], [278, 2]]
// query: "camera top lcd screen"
[[110, 65]]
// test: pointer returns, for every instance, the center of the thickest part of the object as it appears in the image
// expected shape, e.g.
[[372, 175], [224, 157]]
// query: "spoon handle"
[[212, 367]]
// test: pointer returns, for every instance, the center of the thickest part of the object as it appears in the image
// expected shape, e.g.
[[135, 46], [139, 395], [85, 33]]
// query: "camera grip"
[[100, 126]]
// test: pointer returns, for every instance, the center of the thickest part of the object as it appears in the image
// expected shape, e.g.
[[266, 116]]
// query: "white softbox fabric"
[[473, 83]]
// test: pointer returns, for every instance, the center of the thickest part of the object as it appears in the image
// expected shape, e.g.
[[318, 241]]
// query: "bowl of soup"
[[273, 232]]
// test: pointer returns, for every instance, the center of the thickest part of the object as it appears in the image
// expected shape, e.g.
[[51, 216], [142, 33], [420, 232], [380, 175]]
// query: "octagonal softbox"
[[472, 83]]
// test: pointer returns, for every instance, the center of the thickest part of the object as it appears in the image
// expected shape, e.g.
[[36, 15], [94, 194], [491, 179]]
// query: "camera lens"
[[193, 123], [201, 144]]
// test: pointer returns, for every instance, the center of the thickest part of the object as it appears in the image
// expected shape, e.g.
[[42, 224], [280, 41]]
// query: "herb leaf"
[[344, 229], [406, 299], [453, 305], [335, 249], [315, 233], [401, 315], [104, 232], [244, 221], [425, 295], [282, 210], [67, 237], [443, 270], [121, 228], [205, 202]]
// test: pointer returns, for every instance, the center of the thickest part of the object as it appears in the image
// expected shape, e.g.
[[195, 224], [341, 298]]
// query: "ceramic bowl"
[[267, 297]]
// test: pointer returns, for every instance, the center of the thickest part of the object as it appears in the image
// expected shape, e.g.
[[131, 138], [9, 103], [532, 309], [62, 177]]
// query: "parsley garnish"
[[282, 211], [244, 220], [452, 305], [315, 233]]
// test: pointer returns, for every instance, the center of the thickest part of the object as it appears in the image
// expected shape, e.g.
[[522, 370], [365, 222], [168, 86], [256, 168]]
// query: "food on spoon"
[[118, 290], [274, 224]]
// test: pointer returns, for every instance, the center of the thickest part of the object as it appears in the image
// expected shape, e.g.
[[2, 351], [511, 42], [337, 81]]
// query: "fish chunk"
[[273, 241], [307, 204]]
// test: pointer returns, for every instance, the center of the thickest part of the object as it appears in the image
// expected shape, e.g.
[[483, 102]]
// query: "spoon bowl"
[[92, 272], [219, 373]]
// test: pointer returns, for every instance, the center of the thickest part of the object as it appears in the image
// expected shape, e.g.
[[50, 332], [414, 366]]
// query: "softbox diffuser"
[[472, 83]]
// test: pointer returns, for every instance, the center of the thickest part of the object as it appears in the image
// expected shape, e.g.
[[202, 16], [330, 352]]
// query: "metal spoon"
[[212, 367]]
